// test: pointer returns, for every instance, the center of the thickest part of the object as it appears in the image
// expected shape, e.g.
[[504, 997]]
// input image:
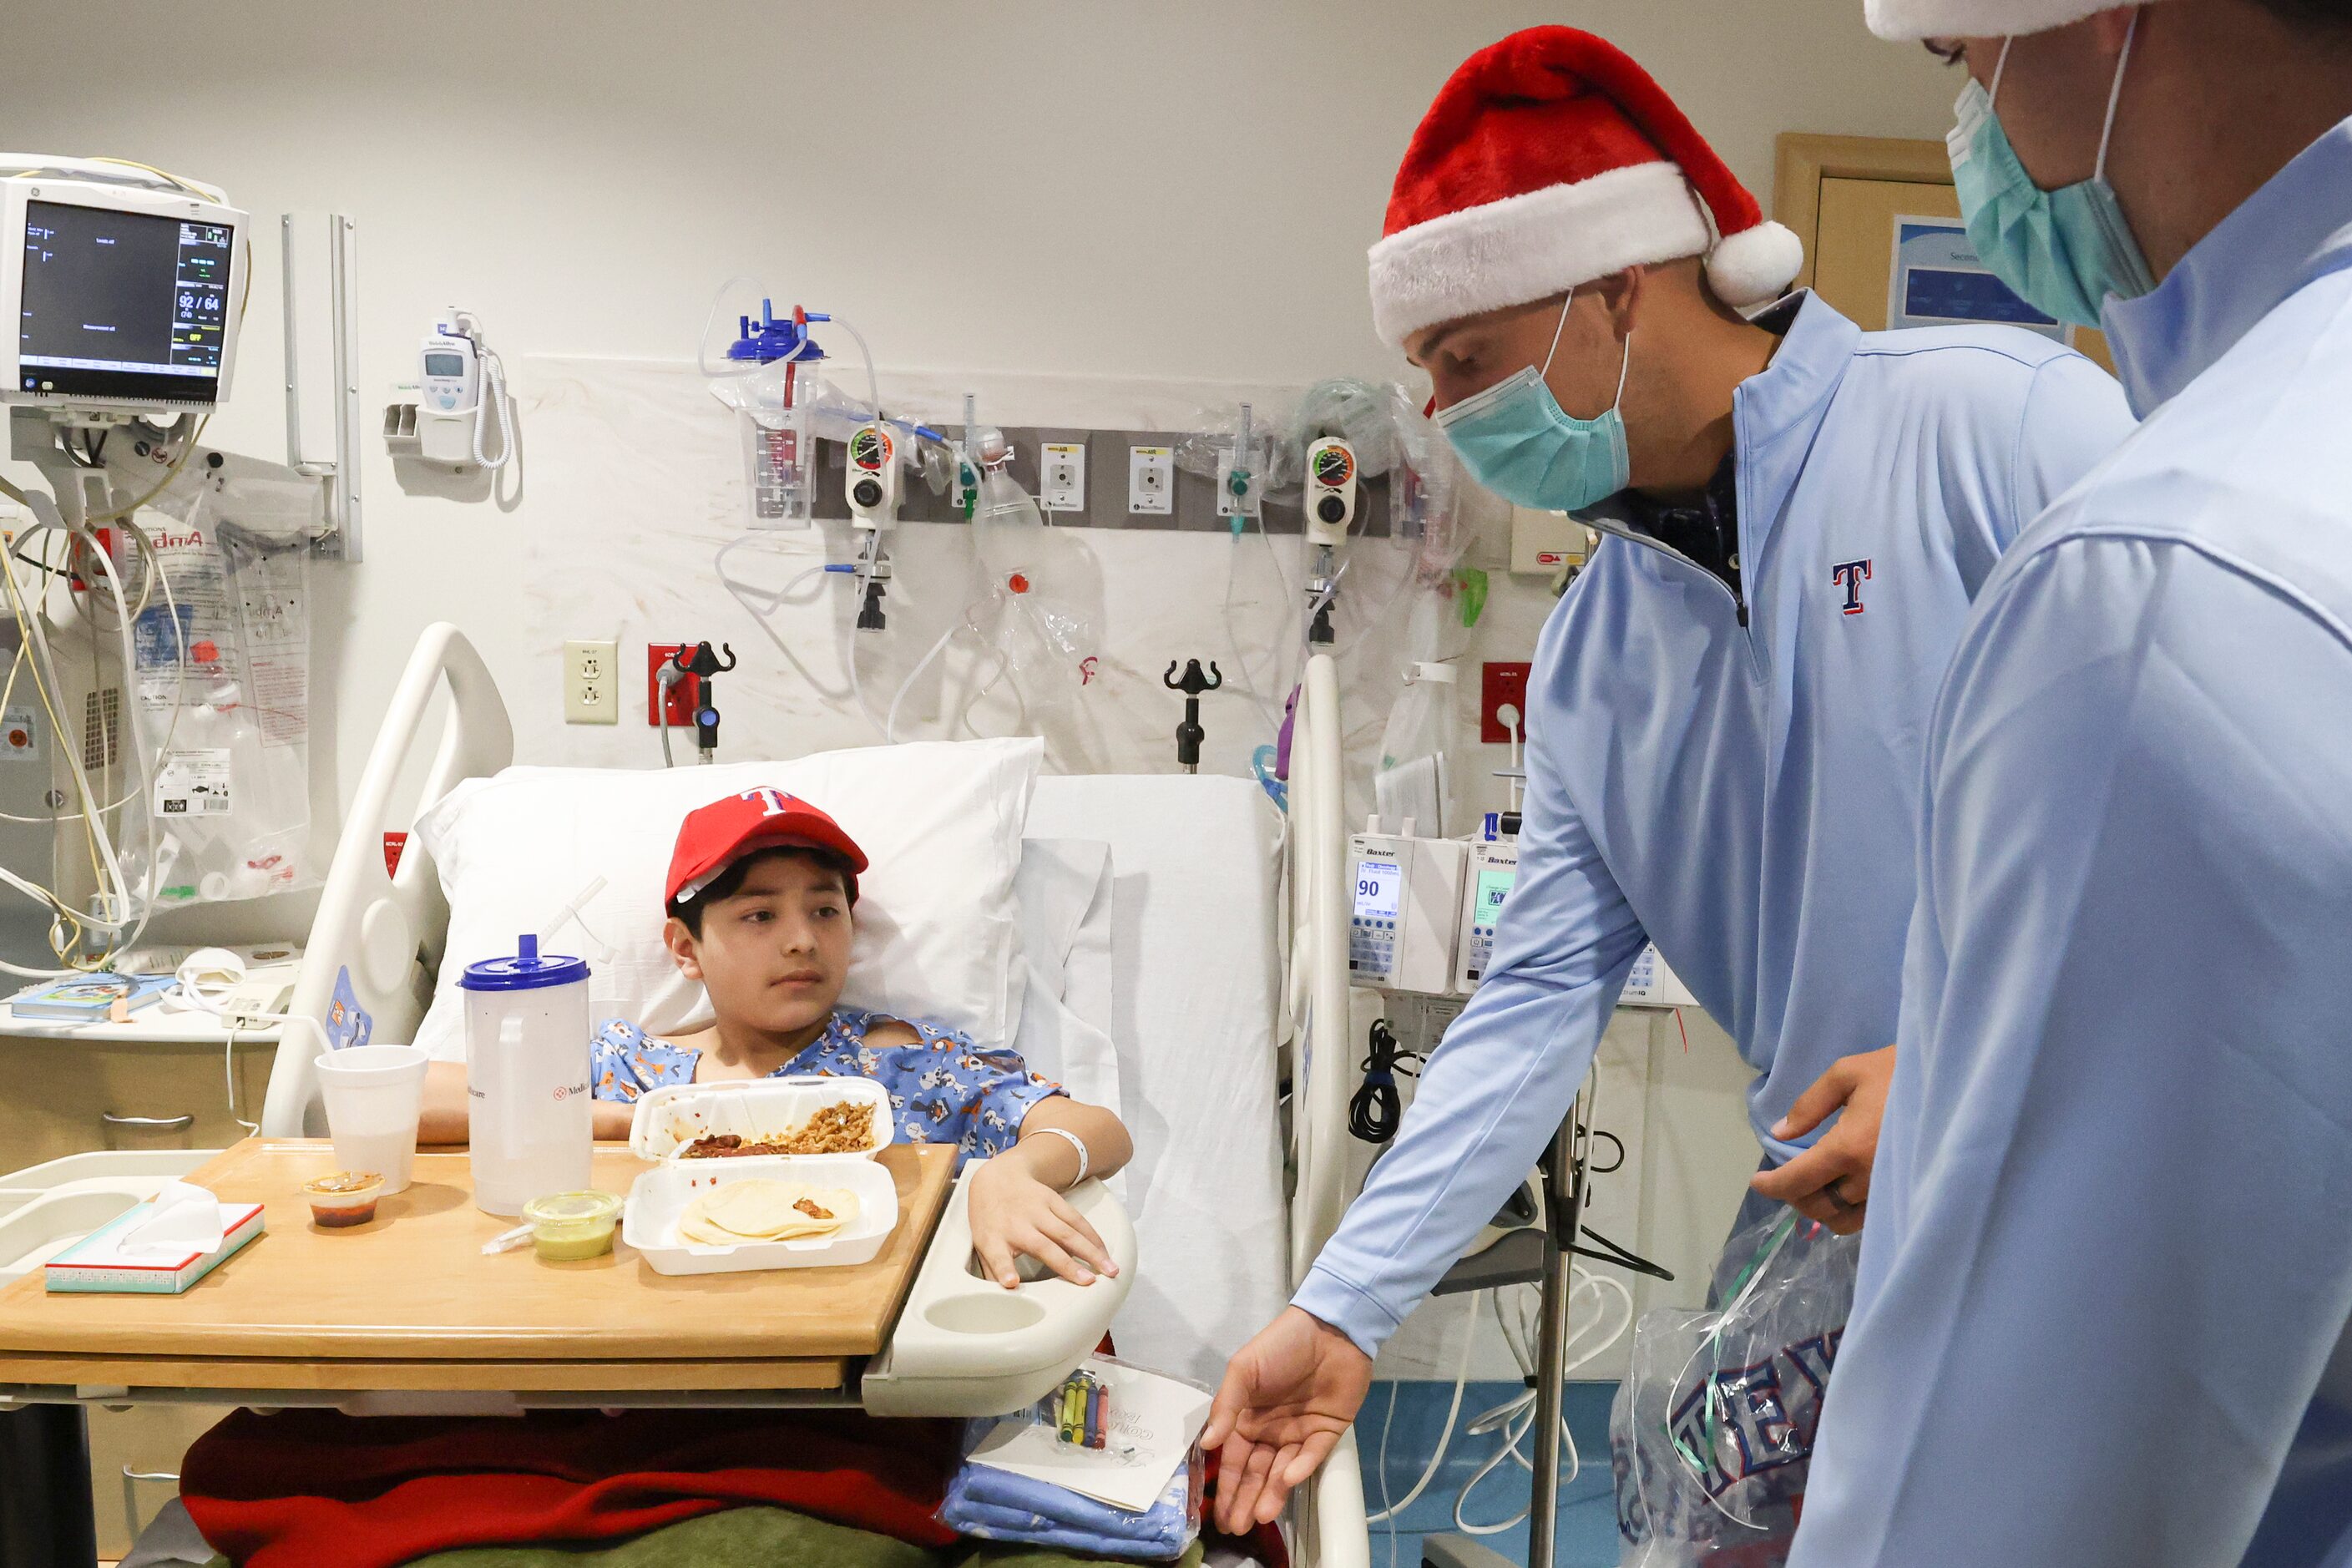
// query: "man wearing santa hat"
[[2102, 1312], [1725, 708]]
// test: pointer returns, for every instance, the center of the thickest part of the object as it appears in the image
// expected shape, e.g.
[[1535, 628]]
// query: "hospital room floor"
[[1588, 1515]]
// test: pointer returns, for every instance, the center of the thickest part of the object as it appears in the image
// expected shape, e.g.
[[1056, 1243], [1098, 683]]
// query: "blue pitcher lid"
[[526, 971]]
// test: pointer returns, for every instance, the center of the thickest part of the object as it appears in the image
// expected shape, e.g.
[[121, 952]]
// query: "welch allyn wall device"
[[1406, 893]]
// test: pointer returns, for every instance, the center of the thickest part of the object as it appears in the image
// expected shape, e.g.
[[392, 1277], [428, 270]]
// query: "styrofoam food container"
[[658, 1201], [668, 1118]]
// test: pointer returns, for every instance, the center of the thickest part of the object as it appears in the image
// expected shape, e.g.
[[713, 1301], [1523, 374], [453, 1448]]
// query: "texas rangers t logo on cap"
[[1851, 575]]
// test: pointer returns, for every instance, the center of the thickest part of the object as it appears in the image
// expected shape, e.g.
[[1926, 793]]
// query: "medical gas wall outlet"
[[1330, 499], [1152, 480], [872, 479], [1407, 901], [1062, 476], [592, 682], [1494, 867]]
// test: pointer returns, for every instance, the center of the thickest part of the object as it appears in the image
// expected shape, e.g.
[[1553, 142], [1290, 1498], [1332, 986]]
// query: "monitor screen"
[[444, 364], [1493, 887], [118, 304], [1378, 883]]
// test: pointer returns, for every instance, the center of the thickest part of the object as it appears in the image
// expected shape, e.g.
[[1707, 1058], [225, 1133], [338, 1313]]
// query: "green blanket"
[[756, 1538]]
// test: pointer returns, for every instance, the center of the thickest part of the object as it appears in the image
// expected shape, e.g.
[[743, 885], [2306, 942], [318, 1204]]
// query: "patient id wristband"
[[1085, 1161]]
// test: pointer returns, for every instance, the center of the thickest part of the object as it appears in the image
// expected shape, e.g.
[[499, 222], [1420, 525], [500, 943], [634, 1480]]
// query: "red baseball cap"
[[714, 836]]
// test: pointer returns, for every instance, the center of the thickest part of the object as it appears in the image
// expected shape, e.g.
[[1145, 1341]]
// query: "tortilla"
[[757, 1209]]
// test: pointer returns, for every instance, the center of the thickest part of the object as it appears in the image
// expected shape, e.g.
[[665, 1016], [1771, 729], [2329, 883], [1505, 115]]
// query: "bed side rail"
[[371, 924]]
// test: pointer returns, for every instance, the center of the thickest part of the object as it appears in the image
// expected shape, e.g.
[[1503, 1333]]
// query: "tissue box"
[[96, 1263]]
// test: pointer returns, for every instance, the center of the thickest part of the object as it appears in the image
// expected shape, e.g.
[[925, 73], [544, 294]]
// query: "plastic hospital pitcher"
[[527, 1053]]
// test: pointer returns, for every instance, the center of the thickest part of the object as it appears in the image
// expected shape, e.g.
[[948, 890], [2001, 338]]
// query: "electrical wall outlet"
[[683, 697], [592, 682], [1062, 476], [1152, 480]]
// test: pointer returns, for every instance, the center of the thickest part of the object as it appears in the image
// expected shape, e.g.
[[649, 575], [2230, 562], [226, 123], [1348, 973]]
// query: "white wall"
[[1065, 190], [1084, 188]]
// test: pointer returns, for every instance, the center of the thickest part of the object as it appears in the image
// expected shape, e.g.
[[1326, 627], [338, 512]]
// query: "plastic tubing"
[[890, 721]]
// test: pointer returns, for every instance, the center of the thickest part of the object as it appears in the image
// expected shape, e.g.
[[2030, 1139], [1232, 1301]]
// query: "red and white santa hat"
[[1548, 160], [1904, 20]]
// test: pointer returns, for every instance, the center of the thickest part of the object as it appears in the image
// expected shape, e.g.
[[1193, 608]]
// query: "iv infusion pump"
[[1425, 911], [1407, 892], [1494, 867]]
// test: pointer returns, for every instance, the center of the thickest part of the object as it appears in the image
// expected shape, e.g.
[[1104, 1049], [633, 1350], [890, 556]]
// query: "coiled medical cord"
[[1376, 1110]]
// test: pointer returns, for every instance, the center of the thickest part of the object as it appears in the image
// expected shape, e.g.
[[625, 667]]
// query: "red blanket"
[[310, 1488]]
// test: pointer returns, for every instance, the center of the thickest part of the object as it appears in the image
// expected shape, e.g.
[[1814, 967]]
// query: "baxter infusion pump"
[[1494, 867], [1406, 893]]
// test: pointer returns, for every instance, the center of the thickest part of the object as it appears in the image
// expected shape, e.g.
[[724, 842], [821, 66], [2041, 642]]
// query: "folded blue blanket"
[[996, 1505]]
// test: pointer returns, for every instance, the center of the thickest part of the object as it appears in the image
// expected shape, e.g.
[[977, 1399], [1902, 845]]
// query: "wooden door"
[[1883, 242]]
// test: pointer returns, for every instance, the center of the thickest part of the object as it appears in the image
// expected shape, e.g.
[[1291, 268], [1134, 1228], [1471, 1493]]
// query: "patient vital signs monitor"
[[124, 287]]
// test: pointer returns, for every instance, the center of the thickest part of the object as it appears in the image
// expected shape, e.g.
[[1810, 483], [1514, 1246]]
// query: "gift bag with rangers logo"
[[1712, 1430]]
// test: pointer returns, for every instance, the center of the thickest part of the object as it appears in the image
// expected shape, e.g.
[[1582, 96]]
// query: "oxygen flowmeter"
[[872, 486], [1330, 491], [873, 478], [1330, 508]]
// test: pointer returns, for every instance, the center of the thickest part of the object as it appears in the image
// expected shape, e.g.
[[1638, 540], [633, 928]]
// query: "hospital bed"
[[1228, 973]]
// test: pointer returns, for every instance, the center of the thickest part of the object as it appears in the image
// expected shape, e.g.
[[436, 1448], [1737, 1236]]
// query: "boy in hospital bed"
[[760, 899]]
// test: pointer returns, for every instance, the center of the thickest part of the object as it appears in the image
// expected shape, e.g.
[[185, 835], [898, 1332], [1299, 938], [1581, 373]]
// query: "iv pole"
[[1563, 1180]]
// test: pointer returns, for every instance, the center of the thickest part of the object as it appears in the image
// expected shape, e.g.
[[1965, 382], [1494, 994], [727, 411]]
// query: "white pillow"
[[939, 933]]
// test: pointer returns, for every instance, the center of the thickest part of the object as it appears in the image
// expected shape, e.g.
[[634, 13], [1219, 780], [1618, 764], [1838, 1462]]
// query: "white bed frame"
[[388, 929]]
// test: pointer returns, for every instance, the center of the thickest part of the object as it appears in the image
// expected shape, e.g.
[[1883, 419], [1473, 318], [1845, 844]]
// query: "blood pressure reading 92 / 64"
[[1378, 883]]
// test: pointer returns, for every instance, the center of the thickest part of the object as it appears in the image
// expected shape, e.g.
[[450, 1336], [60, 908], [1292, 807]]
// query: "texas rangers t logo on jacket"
[[1851, 575]]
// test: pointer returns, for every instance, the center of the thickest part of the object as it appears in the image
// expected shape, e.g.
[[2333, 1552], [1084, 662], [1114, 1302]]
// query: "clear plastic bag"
[[1712, 1431], [1042, 596], [1085, 1426], [231, 783]]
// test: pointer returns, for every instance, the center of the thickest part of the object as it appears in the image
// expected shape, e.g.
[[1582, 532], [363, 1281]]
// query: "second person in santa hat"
[[1725, 711]]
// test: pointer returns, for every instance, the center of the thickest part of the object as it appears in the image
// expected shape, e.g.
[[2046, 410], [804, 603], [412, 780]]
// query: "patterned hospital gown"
[[943, 1089]]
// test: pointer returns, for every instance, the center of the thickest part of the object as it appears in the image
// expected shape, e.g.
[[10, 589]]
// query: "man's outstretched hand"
[[1287, 1398], [1831, 1181]]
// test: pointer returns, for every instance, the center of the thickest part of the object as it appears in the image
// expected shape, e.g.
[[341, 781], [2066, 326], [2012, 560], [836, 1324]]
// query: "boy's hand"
[[1014, 1215]]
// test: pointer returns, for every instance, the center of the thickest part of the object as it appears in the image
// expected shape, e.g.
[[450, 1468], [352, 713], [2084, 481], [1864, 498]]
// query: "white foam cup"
[[374, 1097]]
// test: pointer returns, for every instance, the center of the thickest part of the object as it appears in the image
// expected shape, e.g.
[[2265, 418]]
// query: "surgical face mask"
[[1517, 441], [2062, 251]]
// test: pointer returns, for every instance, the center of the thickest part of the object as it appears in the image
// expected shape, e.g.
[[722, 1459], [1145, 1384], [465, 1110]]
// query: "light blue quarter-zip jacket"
[[1734, 773], [2101, 1315]]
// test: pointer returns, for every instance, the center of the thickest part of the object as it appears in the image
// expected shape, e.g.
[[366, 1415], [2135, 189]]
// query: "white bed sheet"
[[1064, 888], [1196, 984]]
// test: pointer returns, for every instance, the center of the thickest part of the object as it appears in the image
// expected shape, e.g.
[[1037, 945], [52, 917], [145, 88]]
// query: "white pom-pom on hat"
[[1755, 266]]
